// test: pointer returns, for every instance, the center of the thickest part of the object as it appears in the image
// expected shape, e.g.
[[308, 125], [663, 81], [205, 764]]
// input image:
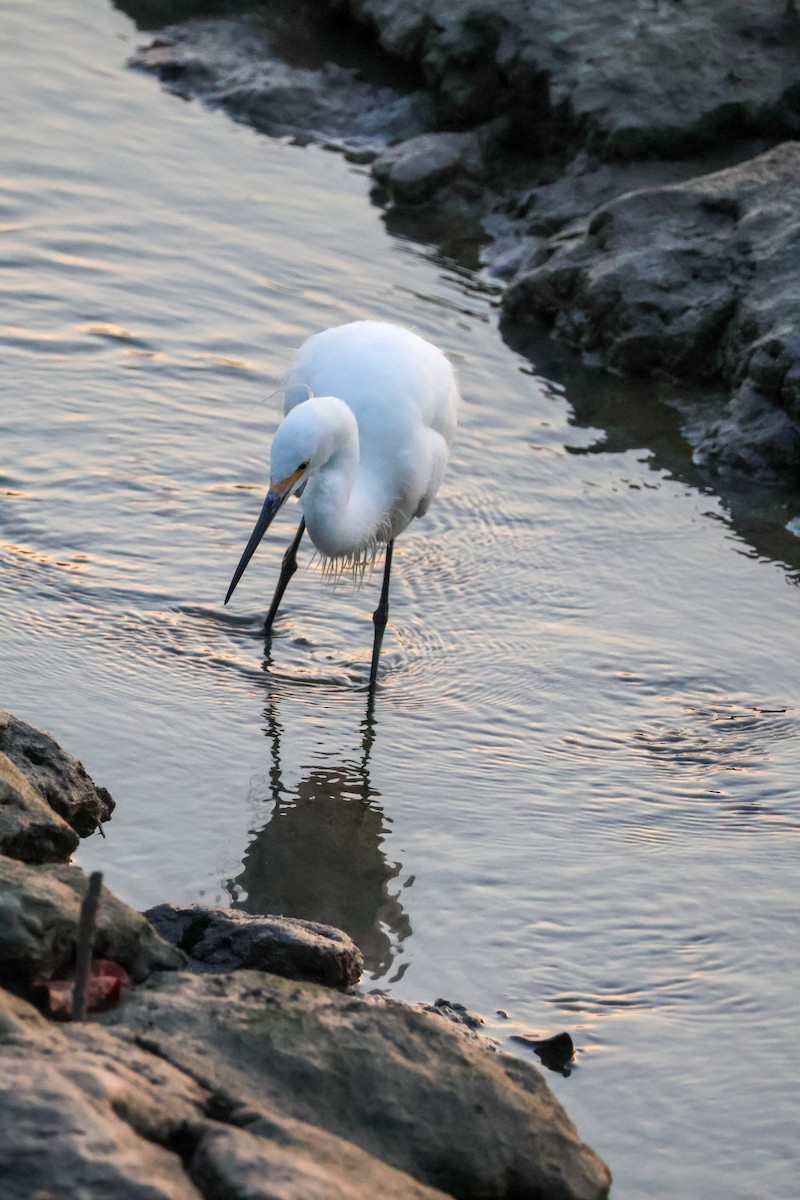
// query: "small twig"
[[85, 944]]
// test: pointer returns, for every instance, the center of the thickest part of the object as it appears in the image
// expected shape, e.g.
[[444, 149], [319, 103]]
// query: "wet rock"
[[222, 939], [415, 169], [29, 829], [407, 1089], [458, 1014], [696, 279], [39, 910], [556, 1052], [60, 778], [263, 71]]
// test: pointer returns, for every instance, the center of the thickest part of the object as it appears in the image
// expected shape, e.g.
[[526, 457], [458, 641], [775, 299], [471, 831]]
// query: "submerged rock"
[[222, 939], [59, 778]]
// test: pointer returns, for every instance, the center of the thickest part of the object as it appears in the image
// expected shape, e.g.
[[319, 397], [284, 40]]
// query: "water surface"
[[576, 799]]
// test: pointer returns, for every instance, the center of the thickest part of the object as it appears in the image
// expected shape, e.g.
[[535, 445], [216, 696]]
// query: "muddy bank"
[[523, 128], [239, 1060]]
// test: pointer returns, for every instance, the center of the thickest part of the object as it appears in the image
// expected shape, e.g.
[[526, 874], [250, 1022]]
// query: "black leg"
[[380, 616], [288, 568]]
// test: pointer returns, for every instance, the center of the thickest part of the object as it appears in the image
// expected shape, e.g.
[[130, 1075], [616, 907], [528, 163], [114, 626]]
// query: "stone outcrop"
[[82, 1115], [85, 1112], [46, 801], [59, 778], [269, 68], [624, 78], [696, 279]]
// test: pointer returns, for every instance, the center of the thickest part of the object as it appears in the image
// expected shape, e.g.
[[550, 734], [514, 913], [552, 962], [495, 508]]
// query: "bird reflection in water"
[[320, 854]]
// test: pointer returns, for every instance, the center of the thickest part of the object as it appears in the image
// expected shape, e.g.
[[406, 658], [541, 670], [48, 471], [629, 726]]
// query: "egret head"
[[294, 450], [307, 439]]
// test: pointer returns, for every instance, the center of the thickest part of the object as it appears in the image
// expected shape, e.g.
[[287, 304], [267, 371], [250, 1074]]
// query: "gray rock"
[[60, 778], [85, 1113], [276, 1158], [405, 1087], [418, 167], [696, 279], [82, 1115], [39, 909], [29, 829], [627, 78], [222, 939], [267, 74]]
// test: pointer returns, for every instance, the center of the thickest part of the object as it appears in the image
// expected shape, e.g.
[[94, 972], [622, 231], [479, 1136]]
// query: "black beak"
[[271, 505]]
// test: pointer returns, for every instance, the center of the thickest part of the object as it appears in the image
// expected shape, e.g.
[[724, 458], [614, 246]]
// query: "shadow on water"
[[320, 852], [654, 416]]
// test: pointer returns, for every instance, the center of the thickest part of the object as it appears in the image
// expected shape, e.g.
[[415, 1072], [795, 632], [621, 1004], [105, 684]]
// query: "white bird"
[[370, 414]]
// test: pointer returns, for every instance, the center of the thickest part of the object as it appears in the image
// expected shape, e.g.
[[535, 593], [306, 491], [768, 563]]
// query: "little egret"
[[369, 416]]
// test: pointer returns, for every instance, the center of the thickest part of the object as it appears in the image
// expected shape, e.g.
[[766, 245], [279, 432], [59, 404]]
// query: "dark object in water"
[[556, 1053]]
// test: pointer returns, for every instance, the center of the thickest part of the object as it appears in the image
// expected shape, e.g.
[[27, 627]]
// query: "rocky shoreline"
[[240, 1061], [628, 170]]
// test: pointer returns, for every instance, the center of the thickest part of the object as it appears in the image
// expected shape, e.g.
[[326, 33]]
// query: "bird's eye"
[[303, 465]]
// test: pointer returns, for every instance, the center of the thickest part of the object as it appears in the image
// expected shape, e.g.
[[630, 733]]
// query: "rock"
[[406, 1088], [249, 1084], [415, 169], [29, 829], [626, 79], [60, 778], [556, 1052], [235, 62], [85, 1113], [222, 939], [695, 279], [280, 1159], [39, 909]]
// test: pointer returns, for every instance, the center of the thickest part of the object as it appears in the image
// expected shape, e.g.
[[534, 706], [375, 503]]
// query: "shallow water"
[[576, 800]]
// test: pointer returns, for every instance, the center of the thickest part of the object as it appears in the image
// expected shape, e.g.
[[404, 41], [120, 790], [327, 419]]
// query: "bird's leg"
[[288, 568], [380, 616]]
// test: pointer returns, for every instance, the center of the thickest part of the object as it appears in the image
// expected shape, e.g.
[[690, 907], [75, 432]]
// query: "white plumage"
[[370, 413]]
